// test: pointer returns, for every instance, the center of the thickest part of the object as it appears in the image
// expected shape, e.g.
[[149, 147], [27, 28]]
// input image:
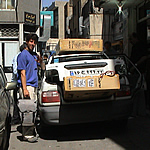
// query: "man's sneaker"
[[31, 139]]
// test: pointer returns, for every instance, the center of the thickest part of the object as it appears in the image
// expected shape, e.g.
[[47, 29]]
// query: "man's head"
[[31, 40], [23, 46], [45, 56]]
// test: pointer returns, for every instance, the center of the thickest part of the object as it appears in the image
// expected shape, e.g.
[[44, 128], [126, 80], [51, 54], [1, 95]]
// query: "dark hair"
[[45, 55], [32, 36], [108, 43], [23, 46]]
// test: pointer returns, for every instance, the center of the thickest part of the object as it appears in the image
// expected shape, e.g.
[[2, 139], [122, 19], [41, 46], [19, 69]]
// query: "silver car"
[[5, 110], [55, 109]]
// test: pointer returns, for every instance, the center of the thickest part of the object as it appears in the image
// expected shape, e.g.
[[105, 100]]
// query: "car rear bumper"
[[89, 112]]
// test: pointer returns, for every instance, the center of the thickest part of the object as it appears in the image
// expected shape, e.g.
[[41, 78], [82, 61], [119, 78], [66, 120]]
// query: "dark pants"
[[16, 116]]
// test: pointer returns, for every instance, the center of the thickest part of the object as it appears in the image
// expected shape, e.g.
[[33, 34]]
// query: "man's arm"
[[24, 86]]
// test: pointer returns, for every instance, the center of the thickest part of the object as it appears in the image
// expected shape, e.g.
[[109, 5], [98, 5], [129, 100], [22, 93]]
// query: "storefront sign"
[[29, 18]]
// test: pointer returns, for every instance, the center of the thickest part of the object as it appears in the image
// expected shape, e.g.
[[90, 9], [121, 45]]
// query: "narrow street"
[[103, 136]]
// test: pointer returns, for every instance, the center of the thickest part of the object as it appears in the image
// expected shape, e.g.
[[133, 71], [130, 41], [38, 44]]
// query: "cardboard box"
[[70, 45], [74, 83], [81, 88]]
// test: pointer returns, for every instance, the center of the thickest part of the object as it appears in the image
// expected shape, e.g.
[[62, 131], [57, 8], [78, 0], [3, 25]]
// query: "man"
[[45, 58], [138, 57], [14, 63], [45, 62], [16, 117], [108, 49], [28, 81], [139, 51]]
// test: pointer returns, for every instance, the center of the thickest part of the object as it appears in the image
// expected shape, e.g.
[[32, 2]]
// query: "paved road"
[[95, 136]]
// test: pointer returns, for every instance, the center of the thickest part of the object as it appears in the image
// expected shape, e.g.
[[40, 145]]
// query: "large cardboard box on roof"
[[90, 87], [70, 45]]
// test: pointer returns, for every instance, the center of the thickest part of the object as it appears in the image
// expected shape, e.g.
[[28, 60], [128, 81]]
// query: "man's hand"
[[26, 93]]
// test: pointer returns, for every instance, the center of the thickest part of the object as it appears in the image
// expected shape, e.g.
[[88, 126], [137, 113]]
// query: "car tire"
[[5, 142]]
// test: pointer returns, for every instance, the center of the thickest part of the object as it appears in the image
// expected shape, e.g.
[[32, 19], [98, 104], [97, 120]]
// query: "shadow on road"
[[88, 131], [135, 136]]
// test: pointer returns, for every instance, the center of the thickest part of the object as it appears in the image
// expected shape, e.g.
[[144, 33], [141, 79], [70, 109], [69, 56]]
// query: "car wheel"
[[6, 137]]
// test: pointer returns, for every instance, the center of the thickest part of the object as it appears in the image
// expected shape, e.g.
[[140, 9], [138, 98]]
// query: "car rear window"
[[76, 58]]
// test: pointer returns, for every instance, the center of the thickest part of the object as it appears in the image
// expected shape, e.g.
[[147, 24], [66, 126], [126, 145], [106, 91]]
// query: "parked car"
[[5, 110], [55, 109]]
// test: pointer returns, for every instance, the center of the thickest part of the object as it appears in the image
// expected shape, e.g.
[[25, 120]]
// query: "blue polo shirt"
[[27, 62]]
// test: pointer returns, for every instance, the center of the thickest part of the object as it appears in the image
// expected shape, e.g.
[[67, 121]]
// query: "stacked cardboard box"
[[74, 45]]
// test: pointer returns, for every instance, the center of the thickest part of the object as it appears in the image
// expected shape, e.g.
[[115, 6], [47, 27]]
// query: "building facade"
[[112, 21], [17, 18], [58, 8]]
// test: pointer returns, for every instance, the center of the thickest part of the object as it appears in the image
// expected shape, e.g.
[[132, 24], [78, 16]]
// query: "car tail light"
[[124, 91], [50, 97]]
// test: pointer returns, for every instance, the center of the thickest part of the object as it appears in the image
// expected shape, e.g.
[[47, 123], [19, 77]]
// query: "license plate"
[[82, 83], [79, 83], [90, 82]]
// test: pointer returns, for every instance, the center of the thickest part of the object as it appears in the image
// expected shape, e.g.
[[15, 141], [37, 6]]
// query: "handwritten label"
[[81, 44]]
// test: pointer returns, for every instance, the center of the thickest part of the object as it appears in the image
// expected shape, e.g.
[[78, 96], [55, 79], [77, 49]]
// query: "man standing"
[[16, 117], [139, 50], [138, 57], [28, 81]]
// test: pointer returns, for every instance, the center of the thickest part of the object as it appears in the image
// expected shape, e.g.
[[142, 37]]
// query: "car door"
[[4, 103]]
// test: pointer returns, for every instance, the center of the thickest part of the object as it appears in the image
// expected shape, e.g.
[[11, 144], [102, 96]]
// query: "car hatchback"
[[81, 107]]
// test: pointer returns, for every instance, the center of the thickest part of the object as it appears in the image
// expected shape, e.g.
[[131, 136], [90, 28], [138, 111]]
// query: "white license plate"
[[79, 83], [82, 83], [90, 83]]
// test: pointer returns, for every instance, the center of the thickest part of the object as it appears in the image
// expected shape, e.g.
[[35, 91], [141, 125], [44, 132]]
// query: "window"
[[71, 3], [7, 4], [77, 58]]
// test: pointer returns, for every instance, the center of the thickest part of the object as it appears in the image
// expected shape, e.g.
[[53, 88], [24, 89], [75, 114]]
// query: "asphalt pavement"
[[91, 136]]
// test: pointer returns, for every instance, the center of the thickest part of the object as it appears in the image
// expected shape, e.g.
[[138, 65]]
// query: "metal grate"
[[9, 32]]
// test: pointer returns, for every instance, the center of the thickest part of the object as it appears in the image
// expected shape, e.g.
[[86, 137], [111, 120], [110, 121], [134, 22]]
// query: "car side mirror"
[[11, 86]]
